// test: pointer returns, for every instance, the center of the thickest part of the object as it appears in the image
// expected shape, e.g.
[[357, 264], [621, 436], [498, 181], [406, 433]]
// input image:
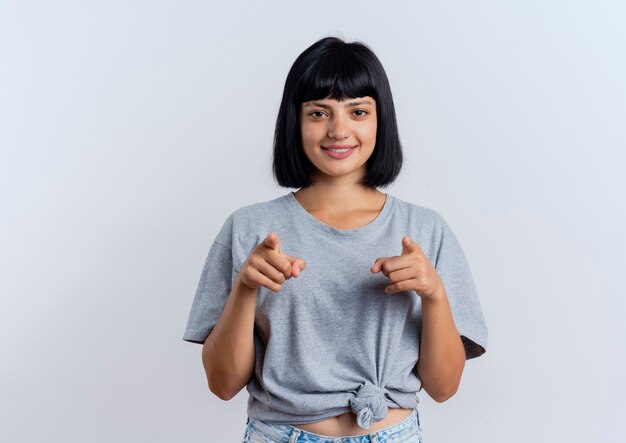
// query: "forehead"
[[327, 103]]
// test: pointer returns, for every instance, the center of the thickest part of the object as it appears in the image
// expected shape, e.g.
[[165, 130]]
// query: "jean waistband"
[[288, 433]]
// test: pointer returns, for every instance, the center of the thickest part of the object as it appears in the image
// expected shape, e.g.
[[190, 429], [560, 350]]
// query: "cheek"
[[368, 134], [305, 133], [311, 134], [308, 141], [373, 134]]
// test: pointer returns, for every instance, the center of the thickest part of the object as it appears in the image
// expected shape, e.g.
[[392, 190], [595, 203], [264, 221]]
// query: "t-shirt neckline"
[[305, 216]]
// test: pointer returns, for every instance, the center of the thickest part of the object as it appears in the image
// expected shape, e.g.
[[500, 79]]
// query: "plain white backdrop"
[[129, 131]]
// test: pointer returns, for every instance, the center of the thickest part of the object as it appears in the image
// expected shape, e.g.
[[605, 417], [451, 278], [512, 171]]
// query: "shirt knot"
[[369, 404]]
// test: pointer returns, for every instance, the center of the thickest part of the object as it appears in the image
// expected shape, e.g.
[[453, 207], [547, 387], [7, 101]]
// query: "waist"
[[346, 425]]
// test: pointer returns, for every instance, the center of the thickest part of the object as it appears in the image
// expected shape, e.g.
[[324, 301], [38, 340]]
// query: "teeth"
[[340, 150]]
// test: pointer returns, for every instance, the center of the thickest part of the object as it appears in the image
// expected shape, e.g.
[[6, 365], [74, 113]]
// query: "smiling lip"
[[338, 146], [339, 155]]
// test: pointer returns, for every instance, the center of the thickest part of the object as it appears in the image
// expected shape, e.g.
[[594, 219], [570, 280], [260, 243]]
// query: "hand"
[[267, 266], [411, 271]]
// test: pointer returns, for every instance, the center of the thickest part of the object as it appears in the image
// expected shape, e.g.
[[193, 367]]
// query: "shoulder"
[[258, 211], [247, 225], [418, 214]]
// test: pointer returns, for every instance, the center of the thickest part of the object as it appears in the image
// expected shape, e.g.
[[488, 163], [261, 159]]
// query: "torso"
[[345, 424]]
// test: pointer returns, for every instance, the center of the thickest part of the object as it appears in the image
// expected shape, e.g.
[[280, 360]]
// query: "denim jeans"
[[257, 431]]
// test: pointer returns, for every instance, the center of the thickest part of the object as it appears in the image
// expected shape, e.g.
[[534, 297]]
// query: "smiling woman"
[[335, 304], [335, 92]]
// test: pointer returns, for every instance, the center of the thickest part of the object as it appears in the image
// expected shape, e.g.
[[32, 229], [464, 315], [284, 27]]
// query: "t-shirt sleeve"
[[453, 269], [213, 289]]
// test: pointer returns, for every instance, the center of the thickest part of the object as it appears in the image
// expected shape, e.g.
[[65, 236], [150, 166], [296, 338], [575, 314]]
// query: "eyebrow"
[[347, 105]]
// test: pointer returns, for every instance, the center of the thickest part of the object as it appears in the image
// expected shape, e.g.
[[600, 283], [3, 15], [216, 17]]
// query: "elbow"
[[217, 388], [222, 394], [441, 393], [225, 388], [444, 396], [445, 389], [216, 383]]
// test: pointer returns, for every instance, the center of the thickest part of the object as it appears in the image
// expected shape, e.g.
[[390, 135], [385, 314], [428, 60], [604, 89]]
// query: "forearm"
[[442, 355], [228, 352]]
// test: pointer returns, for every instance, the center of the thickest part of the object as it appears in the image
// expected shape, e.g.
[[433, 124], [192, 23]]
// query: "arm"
[[442, 354], [228, 352]]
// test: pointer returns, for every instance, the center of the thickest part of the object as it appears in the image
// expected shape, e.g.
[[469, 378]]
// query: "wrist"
[[436, 297], [242, 289]]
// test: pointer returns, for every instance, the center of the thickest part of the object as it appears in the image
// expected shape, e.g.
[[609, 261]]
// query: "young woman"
[[335, 304]]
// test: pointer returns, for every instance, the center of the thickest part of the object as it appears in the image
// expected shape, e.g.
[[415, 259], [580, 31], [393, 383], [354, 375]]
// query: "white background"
[[129, 131]]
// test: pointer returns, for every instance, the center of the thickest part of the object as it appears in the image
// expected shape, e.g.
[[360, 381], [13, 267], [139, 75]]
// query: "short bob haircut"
[[332, 68]]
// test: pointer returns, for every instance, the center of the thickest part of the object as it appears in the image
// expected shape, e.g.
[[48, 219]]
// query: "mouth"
[[338, 148], [339, 152]]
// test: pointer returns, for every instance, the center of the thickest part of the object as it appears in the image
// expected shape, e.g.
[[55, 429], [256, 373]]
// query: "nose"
[[339, 128]]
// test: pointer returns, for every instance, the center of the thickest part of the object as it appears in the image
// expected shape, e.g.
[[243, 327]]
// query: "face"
[[327, 123]]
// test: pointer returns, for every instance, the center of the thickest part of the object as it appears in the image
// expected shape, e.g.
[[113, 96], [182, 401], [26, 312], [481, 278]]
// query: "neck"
[[337, 198]]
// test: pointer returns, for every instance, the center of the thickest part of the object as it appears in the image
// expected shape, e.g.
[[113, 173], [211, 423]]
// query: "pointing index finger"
[[272, 241]]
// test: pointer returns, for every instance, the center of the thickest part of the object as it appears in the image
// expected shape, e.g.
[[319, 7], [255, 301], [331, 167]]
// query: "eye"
[[361, 110], [316, 112]]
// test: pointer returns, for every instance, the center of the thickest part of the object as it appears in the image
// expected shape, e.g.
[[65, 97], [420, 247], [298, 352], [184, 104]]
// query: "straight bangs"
[[336, 76]]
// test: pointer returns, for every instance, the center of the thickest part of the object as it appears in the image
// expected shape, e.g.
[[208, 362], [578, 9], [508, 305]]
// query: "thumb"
[[272, 241], [377, 266], [297, 265], [408, 245]]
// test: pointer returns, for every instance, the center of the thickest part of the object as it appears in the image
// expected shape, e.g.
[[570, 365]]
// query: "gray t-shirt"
[[332, 341]]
